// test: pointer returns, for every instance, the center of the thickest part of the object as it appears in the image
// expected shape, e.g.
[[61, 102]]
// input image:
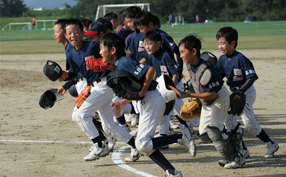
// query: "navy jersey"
[[138, 70], [215, 83], [236, 68], [123, 33], [169, 45], [68, 48], [164, 63], [76, 59], [137, 46]]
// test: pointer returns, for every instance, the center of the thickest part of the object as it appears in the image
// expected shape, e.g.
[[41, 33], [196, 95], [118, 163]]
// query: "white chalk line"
[[117, 160]]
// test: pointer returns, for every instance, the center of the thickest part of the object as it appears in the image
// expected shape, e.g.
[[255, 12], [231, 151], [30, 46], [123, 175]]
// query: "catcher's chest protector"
[[195, 79]]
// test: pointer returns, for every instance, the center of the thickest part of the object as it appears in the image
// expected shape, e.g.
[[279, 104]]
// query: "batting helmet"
[[165, 83], [72, 90], [48, 99]]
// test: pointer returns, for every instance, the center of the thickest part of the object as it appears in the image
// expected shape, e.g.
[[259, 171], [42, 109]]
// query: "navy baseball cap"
[[53, 71], [95, 28]]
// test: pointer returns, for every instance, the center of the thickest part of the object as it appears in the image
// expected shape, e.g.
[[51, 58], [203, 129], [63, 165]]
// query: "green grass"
[[258, 35]]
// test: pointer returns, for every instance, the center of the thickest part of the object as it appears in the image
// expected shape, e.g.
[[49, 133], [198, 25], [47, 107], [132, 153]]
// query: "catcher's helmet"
[[48, 99], [209, 57], [52, 70]]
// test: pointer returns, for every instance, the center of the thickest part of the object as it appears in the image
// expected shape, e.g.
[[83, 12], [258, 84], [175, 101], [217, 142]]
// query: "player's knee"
[[78, 120], [214, 133], [144, 147], [107, 130]]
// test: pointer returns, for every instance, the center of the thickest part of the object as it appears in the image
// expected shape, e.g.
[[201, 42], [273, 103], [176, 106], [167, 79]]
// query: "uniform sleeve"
[[171, 64], [247, 67], [169, 44]]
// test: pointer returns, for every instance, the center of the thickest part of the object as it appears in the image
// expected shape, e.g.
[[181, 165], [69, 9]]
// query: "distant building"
[[38, 9]]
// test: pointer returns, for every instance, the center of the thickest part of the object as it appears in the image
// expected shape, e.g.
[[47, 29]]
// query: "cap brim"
[[90, 33], [58, 96]]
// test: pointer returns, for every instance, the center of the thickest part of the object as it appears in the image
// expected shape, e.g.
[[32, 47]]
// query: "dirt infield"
[[38, 142]]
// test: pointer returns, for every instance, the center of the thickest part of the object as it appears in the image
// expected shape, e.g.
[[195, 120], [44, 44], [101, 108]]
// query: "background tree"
[[12, 8]]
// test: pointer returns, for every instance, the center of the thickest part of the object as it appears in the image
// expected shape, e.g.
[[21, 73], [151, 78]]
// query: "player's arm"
[[205, 95], [118, 106], [148, 79], [176, 78]]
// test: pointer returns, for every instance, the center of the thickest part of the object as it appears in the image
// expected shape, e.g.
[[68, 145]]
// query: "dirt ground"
[[38, 142]]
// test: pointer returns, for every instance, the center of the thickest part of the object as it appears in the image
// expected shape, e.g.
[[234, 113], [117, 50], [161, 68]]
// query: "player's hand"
[[117, 106], [61, 91], [64, 76], [237, 97], [61, 79], [143, 60]]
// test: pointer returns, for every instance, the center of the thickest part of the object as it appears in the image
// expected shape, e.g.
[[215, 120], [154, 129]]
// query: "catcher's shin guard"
[[224, 147], [236, 137]]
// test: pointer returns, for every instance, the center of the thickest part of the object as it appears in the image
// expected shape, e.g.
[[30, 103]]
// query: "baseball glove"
[[97, 65], [236, 105], [191, 109], [83, 96], [124, 85]]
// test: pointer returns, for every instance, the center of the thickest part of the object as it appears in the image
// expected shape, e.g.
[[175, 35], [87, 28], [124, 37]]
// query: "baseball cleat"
[[271, 149], [96, 153], [177, 174], [187, 140], [238, 162], [134, 156]]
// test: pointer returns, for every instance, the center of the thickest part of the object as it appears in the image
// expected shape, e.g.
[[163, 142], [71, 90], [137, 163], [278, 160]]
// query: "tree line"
[[220, 10]]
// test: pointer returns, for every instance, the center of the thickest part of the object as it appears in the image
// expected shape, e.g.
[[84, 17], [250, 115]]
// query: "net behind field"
[[178, 31]]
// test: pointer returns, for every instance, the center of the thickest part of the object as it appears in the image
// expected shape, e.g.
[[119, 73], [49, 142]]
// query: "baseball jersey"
[[67, 49], [138, 70], [76, 59], [236, 68], [123, 33], [128, 41], [164, 63], [137, 46], [215, 83]]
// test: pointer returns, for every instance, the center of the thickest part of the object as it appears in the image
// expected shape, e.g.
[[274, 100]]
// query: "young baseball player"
[[124, 31], [129, 16], [59, 30], [113, 18], [96, 31], [144, 21], [96, 95], [151, 108], [86, 23], [241, 75], [214, 97], [107, 24], [164, 63]]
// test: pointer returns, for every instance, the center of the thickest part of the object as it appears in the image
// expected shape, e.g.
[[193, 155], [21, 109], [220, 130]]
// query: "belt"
[[97, 81]]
